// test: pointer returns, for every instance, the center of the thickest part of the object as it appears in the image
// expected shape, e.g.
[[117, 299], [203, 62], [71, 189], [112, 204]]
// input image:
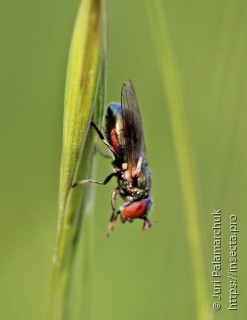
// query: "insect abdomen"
[[114, 128]]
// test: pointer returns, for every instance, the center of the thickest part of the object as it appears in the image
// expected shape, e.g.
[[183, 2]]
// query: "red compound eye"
[[136, 209]]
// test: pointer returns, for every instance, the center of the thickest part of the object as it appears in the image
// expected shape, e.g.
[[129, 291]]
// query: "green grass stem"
[[84, 101]]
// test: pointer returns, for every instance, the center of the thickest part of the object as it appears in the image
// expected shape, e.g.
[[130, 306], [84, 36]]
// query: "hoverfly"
[[125, 140]]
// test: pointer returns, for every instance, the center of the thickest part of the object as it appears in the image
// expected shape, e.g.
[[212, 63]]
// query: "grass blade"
[[84, 101], [175, 106]]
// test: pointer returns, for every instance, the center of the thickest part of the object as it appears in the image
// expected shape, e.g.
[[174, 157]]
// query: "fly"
[[125, 140]]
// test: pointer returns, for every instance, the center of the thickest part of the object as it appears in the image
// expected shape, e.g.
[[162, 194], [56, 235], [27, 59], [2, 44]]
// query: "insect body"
[[125, 140]]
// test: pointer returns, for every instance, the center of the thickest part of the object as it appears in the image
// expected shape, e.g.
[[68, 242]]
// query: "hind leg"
[[103, 139]]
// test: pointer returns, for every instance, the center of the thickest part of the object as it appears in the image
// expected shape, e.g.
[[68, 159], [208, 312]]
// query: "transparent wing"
[[132, 125]]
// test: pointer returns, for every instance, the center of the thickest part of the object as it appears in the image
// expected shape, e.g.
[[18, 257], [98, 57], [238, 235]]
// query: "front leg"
[[115, 214], [147, 224]]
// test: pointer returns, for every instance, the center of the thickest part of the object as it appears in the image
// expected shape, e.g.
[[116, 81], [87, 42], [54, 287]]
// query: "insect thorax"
[[137, 187]]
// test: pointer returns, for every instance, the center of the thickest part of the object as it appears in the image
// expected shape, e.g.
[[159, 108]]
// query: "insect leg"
[[103, 139], [123, 219], [107, 179], [115, 214], [147, 224]]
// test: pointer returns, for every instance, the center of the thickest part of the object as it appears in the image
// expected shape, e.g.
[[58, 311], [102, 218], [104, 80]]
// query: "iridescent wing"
[[132, 126]]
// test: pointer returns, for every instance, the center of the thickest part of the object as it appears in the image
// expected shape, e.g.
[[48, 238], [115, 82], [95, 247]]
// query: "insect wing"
[[132, 125]]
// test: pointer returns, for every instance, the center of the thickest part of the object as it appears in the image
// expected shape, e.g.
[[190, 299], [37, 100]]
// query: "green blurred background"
[[136, 275]]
